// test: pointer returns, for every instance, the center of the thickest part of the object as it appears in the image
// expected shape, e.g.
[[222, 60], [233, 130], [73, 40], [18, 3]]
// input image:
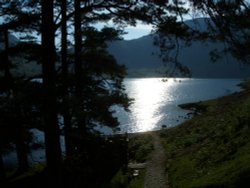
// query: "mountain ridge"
[[141, 57]]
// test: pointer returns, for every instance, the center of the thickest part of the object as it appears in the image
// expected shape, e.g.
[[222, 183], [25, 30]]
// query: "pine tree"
[[65, 80], [51, 127], [12, 108], [2, 170], [12, 97]]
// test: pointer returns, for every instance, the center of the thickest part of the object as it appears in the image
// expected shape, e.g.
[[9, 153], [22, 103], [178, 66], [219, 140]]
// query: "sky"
[[136, 32]]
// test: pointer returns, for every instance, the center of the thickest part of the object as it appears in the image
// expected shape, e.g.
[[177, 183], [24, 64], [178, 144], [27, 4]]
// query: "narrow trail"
[[156, 176]]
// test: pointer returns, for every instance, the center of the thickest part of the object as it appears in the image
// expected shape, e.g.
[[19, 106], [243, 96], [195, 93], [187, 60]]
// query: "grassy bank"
[[213, 148]]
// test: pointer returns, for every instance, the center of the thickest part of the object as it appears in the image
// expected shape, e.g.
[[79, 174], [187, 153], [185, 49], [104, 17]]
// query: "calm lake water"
[[156, 102]]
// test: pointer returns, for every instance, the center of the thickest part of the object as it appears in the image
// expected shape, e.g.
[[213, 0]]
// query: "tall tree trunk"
[[2, 170], [21, 147], [78, 48], [78, 69], [6, 64], [19, 129], [51, 127], [66, 114]]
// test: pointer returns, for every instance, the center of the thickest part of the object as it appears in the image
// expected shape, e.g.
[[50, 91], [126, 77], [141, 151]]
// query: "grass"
[[211, 149]]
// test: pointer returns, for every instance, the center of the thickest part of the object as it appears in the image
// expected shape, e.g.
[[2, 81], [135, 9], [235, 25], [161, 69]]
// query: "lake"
[[156, 101]]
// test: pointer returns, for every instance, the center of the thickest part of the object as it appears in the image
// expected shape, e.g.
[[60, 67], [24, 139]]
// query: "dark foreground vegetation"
[[102, 158], [213, 148], [104, 164]]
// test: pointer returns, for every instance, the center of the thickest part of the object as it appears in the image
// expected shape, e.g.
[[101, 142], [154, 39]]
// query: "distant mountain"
[[140, 57]]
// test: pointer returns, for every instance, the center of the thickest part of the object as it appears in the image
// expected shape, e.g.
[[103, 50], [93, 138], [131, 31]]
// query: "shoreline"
[[211, 149]]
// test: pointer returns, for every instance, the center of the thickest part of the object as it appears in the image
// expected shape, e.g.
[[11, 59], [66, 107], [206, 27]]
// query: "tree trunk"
[[21, 148], [66, 114], [6, 64], [78, 49], [79, 74], [51, 127], [2, 170], [19, 134]]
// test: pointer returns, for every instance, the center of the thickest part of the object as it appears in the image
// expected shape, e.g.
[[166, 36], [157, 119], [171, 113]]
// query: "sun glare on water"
[[156, 102], [146, 109]]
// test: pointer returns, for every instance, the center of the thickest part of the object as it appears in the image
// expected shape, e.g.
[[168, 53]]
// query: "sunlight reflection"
[[146, 109], [156, 102]]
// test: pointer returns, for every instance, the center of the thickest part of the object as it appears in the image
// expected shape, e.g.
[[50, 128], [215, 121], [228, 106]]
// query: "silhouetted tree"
[[228, 22], [2, 170], [51, 127], [79, 74], [9, 87], [13, 120], [65, 79]]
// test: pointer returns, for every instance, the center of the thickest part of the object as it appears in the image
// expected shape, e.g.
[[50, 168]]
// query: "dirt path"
[[156, 176]]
